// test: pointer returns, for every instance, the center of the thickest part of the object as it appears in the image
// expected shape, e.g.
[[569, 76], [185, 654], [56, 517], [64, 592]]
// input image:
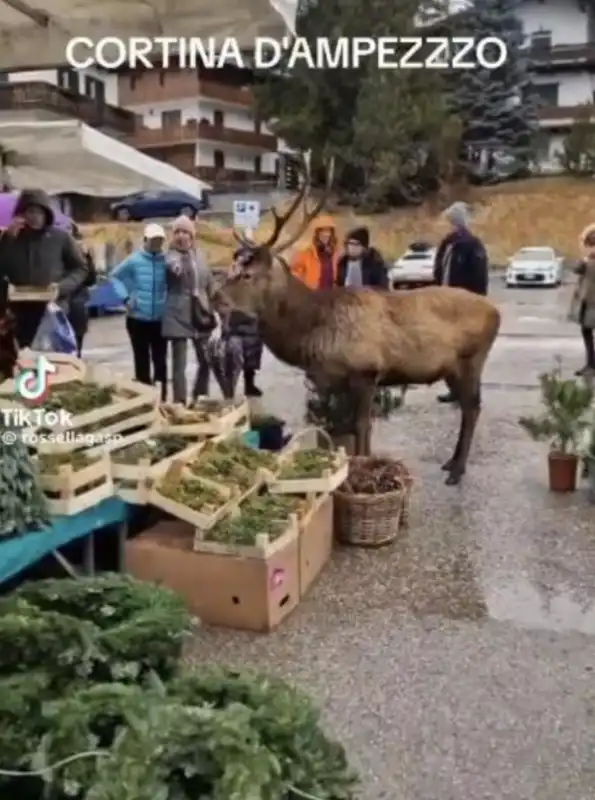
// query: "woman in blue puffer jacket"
[[140, 281]]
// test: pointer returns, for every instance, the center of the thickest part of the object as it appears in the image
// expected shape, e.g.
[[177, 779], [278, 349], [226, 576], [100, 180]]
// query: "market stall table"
[[21, 552]]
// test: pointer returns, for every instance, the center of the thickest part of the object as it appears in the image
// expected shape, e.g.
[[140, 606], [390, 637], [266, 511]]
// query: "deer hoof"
[[454, 477]]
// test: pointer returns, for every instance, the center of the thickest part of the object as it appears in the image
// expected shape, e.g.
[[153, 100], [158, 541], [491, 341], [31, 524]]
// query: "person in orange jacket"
[[316, 264]]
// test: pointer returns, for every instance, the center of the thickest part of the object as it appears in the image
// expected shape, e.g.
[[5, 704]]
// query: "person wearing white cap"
[[140, 282]]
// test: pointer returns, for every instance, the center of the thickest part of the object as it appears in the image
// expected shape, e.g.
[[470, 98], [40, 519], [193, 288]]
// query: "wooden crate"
[[141, 410], [69, 492], [33, 294], [223, 425], [223, 589], [199, 520], [316, 540], [140, 477], [330, 480]]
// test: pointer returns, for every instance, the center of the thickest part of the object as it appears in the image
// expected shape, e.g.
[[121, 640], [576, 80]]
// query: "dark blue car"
[[160, 204]]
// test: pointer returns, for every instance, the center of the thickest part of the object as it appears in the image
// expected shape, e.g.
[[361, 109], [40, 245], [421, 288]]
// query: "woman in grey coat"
[[190, 286]]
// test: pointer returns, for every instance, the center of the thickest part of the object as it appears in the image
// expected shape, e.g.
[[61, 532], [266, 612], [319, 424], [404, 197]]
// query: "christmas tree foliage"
[[23, 506], [335, 411], [496, 106]]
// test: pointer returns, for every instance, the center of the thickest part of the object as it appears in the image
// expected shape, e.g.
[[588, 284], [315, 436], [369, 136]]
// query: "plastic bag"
[[55, 333], [574, 312]]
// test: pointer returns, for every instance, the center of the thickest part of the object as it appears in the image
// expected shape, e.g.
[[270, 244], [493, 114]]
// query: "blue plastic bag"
[[55, 333]]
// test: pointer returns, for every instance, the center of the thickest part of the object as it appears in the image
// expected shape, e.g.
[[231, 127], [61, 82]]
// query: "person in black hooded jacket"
[[361, 265], [78, 314], [34, 253]]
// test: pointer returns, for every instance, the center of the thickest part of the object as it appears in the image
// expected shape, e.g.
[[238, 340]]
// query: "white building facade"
[[561, 38]]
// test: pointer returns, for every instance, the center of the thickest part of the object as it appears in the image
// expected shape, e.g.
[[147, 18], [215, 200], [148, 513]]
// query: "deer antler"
[[281, 220], [309, 216]]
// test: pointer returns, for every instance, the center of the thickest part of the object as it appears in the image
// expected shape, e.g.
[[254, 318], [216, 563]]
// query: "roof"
[[69, 156], [39, 33]]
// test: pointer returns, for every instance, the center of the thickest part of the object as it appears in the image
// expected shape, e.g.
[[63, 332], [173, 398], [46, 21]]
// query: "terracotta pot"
[[562, 469]]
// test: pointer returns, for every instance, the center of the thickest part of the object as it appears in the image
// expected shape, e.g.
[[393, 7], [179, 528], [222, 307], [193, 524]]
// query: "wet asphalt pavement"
[[459, 663]]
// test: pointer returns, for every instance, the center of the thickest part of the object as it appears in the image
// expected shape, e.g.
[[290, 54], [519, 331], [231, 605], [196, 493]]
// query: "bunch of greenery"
[[335, 411], [23, 505], [153, 732], [567, 412]]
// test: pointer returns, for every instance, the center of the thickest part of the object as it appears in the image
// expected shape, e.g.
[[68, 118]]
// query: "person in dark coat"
[[78, 314], [461, 261], [34, 253], [361, 265], [247, 328]]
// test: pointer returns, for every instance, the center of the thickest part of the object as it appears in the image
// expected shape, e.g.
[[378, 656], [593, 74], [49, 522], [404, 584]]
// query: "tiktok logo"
[[33, 384]]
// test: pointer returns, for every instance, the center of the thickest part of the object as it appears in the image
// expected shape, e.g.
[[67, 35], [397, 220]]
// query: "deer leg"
[[453, 387], [364, 398], [470, 404]]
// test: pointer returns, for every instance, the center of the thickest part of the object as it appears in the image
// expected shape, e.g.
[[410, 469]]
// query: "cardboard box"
[[227, 590], [316, 541]]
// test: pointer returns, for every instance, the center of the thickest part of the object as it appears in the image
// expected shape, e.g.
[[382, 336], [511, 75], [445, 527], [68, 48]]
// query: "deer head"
[[264, 270]]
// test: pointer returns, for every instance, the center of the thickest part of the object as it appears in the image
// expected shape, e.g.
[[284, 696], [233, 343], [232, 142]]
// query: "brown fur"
[[365, 338]]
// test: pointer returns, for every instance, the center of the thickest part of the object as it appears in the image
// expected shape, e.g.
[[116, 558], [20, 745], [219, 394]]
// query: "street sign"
[[246, 214]]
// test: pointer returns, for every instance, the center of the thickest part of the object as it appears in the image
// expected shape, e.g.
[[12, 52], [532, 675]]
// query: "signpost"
[[246, 215]]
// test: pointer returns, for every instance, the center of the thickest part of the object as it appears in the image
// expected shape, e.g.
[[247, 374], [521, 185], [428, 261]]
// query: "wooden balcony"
[[51, 101], [211, 90], [545, 58], [558, 114], [234, 176], [191, 132]]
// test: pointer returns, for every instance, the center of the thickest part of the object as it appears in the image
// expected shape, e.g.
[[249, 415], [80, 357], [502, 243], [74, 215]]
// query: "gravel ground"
[[457, 663]]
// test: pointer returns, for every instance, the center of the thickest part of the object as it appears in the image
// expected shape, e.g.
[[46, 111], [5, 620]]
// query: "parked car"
[[161, 204], [534, 266], [414, 268]]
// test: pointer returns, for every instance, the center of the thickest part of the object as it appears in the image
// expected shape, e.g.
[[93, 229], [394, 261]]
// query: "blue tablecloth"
[[23, 551]]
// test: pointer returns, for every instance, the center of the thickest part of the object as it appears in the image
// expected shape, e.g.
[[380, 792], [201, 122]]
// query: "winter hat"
[[184, 224], [458, 214], [359, 235], [153, 231]]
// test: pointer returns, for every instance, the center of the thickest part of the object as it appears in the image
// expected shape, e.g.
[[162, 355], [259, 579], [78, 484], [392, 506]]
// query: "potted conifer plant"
[[567, 414], [335, 412]]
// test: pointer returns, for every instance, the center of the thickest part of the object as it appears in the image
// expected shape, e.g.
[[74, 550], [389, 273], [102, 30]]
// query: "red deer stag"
[[361, 339]]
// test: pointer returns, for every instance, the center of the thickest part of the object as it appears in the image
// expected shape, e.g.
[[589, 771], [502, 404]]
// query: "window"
[[172, 119], [257, 165], [218, 120], [68, 79], [541, 42], [547, 94], [219, 159]]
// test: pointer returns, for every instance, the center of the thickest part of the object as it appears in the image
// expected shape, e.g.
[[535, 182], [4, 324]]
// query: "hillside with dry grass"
[[541, 211]]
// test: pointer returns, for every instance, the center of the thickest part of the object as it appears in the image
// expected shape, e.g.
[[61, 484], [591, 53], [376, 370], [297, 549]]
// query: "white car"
[[415, 267], [534, 266]]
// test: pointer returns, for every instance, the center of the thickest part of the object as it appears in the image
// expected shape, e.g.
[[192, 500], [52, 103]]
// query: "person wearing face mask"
[[361, 265], [316, 264], [140, 281], [35, 253], [189, 314]]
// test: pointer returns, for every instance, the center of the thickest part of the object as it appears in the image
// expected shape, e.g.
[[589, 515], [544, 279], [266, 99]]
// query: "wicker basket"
[[369, 520], [408, 484]]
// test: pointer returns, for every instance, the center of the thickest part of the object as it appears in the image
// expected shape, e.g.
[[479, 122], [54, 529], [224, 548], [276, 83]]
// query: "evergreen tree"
[[381, 125], [496, 106], [23, 505]]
